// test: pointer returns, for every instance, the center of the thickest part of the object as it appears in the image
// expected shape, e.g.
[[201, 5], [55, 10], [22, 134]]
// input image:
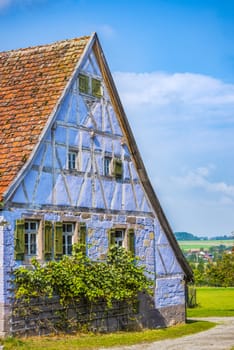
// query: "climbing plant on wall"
[[77, 279]]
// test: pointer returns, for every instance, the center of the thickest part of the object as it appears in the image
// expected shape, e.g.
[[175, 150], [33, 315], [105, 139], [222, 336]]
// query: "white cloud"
[[199, 178], [181, 121], [180, 96]]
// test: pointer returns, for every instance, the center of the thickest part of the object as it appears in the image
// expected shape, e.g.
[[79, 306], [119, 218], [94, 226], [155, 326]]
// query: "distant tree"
[[221, 248], [199, 277], [185, 236], [201, 266], [222, 238], [218, 273], [221, 272]]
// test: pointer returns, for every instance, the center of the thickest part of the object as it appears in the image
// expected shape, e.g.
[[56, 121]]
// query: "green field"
[[206, 244], [213, 302]]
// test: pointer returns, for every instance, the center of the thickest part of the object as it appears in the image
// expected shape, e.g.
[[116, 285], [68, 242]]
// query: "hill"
[[186, 236]]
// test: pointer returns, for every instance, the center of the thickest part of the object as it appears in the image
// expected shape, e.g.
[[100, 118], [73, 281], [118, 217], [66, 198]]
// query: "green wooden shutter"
[[19, 239], [58, 240], [84, 83], [131, 241], [111, 237], [48, 239], [96, 88], [82, 236], [117, 168]]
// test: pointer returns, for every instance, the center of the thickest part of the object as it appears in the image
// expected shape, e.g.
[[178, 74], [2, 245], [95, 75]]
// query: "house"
[[70, 170]]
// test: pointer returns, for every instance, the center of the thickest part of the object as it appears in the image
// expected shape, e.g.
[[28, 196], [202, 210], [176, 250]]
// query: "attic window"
[[96, 88], [90, 86], [84, 83]]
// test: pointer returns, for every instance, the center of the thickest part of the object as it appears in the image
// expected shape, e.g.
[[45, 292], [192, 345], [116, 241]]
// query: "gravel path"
[[220, 337]]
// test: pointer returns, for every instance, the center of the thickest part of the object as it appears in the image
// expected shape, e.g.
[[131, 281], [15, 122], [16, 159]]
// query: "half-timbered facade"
[[70, 171]]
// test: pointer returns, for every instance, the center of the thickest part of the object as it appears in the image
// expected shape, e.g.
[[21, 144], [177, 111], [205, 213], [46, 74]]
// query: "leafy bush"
[[77, 277]]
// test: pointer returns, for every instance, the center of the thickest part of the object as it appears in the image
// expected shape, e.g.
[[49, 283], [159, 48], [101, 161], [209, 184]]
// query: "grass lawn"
[[94, 341], [213, 302]]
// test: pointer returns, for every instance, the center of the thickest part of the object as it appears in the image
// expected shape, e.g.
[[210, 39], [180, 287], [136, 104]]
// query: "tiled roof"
[[31, 82]]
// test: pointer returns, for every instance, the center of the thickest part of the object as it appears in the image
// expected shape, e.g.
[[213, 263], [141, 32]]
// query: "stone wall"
[[173, 315], [48, 316]]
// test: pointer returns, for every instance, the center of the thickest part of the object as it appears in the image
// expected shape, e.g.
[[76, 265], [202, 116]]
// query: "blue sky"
[[173, 64]]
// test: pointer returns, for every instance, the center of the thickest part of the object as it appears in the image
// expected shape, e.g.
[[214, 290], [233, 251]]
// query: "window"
[[30, 237], [119, 238], [107, 163], [72, 160], [68, 231], [96, 88], [89, 85], [26, 237], [117, 168], [84, 83], [122, 238]]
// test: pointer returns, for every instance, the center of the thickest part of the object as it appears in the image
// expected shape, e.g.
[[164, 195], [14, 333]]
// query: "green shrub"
[[77, 277]]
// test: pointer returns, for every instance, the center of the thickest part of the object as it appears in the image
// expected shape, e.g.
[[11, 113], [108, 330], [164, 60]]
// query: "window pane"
[[119, 234], [69, 245], [33, 244], [32, 226], [64, 244], [26, 243], [69, 227]]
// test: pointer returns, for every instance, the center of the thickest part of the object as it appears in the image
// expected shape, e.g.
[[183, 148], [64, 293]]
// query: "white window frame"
[[31, 237], [107, 166], [72, 163], [68, 237]]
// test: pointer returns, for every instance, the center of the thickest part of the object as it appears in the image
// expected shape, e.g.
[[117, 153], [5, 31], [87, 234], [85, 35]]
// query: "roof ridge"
[[42, 46]]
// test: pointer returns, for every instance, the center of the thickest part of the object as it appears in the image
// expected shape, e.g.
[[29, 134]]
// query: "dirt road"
[[221, 337]]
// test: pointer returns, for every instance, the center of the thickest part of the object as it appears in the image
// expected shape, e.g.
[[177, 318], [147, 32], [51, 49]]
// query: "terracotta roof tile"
[[31, 82]]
